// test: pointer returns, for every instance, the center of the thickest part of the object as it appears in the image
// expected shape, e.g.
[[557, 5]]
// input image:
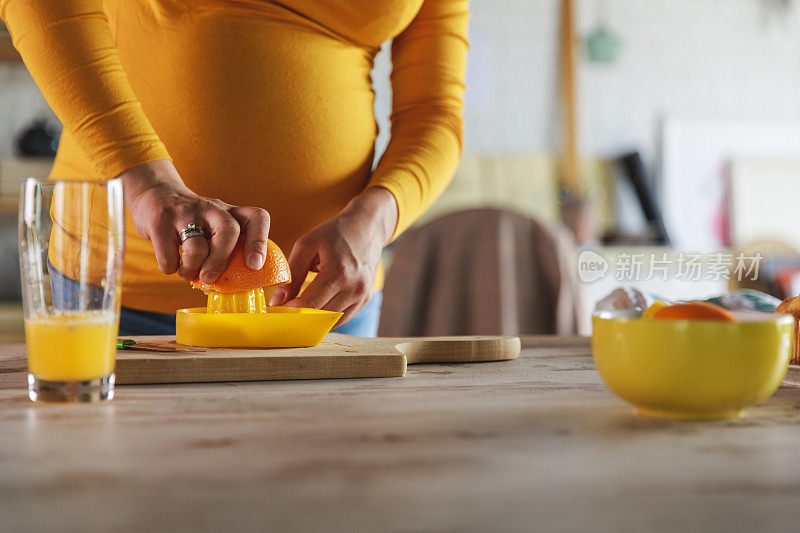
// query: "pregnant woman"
[[251, 118]]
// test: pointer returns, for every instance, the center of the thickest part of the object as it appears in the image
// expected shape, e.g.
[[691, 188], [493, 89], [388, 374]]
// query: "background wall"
[[696, 58], [709, 58]]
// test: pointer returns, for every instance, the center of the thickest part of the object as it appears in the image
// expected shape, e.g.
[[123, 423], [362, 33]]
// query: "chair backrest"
[[480, 272]]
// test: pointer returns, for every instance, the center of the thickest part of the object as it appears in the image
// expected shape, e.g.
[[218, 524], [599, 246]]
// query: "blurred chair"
[[482, 272]]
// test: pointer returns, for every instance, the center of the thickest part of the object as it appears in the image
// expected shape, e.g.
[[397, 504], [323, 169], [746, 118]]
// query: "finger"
[[344, 300], [349, 302], [254, 223], [349, 313], [165, 246], [224, 232], [301, 259], [318, 293], [194, 251]]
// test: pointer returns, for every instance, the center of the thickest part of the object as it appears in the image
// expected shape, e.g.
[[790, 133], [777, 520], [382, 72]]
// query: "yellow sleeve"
[[69, 50], [428, 68]]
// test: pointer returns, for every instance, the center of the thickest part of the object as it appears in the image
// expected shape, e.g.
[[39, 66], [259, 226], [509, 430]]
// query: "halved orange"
[[694, 311], [237, 277]]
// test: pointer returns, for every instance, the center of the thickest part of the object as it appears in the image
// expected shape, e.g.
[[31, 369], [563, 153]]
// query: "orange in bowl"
[[693, 311]]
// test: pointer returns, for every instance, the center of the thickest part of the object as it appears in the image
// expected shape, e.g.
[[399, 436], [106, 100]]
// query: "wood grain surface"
[[533, 444]]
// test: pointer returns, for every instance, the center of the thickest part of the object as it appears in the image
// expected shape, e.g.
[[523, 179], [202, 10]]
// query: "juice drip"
[[252, 301]]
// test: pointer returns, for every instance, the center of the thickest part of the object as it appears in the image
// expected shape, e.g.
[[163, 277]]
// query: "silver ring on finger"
[[191, 230]]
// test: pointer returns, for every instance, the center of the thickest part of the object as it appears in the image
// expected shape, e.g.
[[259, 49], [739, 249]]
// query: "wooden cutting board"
[[339, 356]]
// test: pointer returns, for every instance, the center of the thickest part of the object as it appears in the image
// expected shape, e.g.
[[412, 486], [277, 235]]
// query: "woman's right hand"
[[161, 206]]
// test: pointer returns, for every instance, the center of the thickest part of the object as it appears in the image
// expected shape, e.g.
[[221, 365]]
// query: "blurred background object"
[[779, 271], [39, 139], [602, 44], [7, 51], [779, 10], [630, 169], [482, 271]]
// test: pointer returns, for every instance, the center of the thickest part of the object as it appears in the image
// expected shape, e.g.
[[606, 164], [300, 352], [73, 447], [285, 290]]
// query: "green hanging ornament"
[[602, 44]]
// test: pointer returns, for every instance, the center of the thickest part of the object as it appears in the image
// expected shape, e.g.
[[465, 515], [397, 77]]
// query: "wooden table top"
[[533, 444]]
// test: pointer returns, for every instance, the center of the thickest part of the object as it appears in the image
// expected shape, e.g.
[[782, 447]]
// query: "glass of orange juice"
[[71, 241]]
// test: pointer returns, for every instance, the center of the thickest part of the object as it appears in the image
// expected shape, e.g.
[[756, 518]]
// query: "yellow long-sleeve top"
[[256, 102]]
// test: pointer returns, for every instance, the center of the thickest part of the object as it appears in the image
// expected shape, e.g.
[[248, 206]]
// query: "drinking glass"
[[71, 241]]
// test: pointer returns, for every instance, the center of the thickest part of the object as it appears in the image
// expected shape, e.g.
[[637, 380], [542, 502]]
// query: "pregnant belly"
[[257, 111]]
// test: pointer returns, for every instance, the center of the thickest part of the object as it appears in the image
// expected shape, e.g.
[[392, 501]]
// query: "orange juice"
[[71, 347], [253, 301]]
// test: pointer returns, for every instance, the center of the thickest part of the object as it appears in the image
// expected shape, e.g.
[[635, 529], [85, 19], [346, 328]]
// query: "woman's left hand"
[[345, 251]]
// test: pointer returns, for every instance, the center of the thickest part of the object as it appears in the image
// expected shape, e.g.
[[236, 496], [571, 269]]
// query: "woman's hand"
[[161, 206], [345, 251]]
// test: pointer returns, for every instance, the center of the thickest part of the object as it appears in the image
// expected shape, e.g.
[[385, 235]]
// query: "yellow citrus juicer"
[[243, 320]]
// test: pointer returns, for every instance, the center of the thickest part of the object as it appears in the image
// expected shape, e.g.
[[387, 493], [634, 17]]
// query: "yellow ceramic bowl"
[[692, 369], [279, 327]]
